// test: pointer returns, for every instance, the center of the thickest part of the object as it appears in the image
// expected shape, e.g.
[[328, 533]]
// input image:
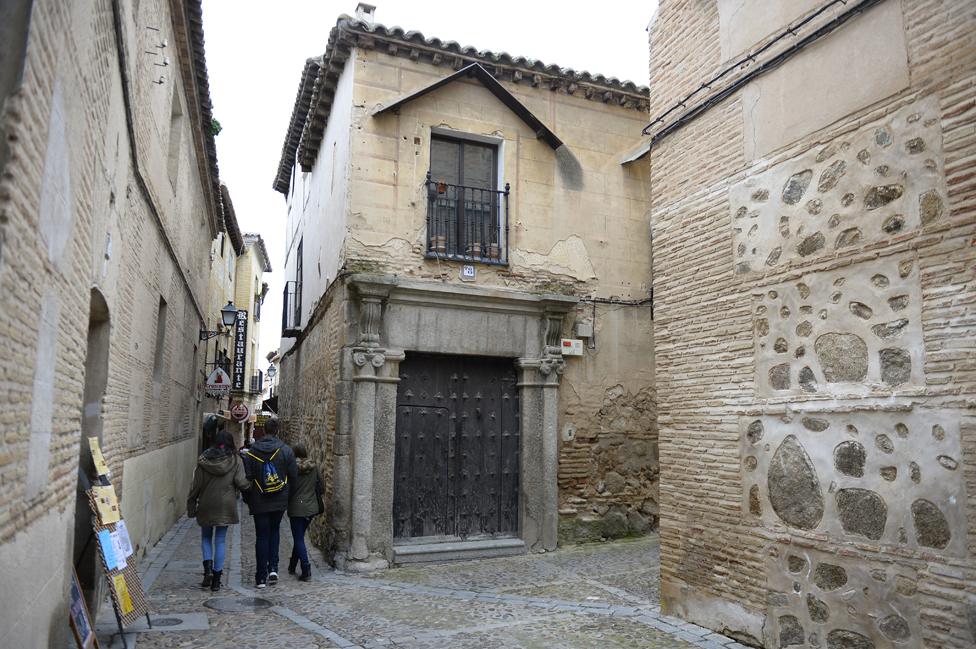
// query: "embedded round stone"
[[947, 462], [905, 268], [804, 329], [755, 507], [779, 376], [938, 432], [862, 512], [848, 237], [894, 224], [895, 627], [884, 443], [754, 432], [795, 187], [881, 281], [750, 463], [781, 346], [793, 486], [811, 244], [760, 195], [803, 290], [849, 458], [864, 157], [773, 258], [830, 176], [882, 195], [843, 357], [790, 631], [898, 302], [931, 526], [889, 473], [762, 327], [844, 639], [818, 609], [914, 472], [861, 310], [796, 564], [930, 207], [882, 136], [808, 382], [888, 330], [896, 366], [815, 424], [829, 577], [901, 429], [915, 145]]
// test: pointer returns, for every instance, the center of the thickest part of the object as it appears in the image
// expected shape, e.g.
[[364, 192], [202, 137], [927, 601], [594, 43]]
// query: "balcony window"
[[467, 216]]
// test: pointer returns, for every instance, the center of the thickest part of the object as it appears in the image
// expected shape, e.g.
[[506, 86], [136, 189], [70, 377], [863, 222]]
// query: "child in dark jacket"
[[304, 503]]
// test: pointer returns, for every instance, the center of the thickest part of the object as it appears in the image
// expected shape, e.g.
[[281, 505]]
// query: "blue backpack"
[[268, 481]]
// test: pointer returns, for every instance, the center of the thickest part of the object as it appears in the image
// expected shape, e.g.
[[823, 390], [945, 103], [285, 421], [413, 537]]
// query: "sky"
[[256, 51]]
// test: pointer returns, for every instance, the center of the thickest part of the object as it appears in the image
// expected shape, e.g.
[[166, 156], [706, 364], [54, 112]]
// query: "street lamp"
[[271, 372], [228, 316]]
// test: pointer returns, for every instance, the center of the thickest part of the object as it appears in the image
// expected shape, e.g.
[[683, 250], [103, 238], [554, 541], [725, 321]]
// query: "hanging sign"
[[218, 383], [240, 350], [239, 411]]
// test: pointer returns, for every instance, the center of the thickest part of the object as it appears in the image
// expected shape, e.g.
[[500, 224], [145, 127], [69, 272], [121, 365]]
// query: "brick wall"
[[75, 220], [745, 336]]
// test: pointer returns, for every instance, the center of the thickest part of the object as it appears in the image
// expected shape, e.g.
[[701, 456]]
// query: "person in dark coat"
[[270, 468], [304, 503], [212, 500]]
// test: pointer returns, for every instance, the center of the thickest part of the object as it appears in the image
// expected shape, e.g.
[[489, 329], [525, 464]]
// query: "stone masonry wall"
[[76, 229], [814, 331]]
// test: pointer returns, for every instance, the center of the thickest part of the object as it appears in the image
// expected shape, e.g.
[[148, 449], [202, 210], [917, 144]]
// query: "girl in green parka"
[[304, 503], [218, 477]]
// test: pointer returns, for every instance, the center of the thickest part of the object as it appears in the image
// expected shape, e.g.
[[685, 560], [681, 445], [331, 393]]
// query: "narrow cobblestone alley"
[[601, 595]]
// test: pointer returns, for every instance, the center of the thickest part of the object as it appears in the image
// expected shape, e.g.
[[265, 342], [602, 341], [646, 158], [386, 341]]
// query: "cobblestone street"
[[602, 595]]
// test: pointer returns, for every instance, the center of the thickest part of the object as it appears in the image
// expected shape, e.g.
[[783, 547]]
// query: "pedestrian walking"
[[304, 503], [212, 500], [270, 468]]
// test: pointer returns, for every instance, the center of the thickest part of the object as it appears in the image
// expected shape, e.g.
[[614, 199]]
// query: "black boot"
[[207, 573], [215, 582], [292, 563], [306, 571]]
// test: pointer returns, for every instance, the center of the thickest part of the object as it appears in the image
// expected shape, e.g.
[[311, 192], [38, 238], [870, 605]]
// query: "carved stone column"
[[539, 401]]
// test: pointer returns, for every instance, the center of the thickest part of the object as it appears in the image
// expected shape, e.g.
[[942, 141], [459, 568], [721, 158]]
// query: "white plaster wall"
[[320, 222], [743, 23], [853, 67], [35, 587], [151, 504]]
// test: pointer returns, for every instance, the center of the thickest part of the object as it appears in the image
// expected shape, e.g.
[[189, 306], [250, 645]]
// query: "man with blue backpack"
[[270, 467]]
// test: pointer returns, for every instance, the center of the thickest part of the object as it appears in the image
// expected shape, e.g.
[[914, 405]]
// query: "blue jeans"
[[213, 544], [267, 536], [298, 527]]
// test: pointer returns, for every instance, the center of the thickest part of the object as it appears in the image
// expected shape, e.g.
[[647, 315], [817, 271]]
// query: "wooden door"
[[456, 470]]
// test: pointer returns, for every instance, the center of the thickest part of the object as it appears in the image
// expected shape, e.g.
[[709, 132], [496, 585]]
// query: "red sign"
[[239, 411]]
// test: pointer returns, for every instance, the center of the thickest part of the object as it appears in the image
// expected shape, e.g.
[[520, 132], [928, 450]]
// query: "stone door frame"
[[390, 317]]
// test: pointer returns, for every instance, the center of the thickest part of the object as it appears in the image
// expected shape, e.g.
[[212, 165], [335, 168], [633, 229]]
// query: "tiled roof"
[[231, 227], [320, 77]]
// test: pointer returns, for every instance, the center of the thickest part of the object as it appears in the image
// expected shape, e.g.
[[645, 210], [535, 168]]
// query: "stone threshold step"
[[457, 550]]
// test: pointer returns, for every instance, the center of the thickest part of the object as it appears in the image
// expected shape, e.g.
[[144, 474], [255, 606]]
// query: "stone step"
[[457, 550]]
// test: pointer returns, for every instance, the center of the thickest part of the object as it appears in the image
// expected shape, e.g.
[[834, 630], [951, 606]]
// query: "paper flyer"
[[108, 549], [124, 541], [107, 504], [101, 468], [120, 554], [122, 592]]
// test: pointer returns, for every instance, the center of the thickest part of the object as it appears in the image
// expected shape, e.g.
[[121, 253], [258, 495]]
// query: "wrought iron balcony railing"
[[467, 223], [291, 309]]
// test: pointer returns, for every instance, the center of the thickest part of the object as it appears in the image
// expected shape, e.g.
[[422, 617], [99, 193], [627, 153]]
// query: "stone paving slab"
[[594, 596]]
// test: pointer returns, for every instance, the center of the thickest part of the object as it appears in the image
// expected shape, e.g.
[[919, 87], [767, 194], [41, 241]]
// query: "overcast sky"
[[256, 50]]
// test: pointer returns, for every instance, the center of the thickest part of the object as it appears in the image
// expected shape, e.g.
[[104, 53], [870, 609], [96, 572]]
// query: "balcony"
[[257, 383], [291, 309], [467, 223]]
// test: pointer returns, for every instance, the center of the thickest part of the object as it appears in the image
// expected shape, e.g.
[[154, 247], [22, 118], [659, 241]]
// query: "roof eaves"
[[476, 71], [255, 238], [296, 124], [231, 226]]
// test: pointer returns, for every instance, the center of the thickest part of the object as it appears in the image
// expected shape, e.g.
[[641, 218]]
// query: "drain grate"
[[237, 604], [166, 621]]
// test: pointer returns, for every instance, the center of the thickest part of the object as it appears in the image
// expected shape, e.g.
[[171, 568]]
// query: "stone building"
[[813, 190], [453, 214], [108, 204]]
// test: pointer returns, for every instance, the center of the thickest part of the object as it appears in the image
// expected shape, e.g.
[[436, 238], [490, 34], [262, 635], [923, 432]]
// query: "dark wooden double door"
[[456, 470]]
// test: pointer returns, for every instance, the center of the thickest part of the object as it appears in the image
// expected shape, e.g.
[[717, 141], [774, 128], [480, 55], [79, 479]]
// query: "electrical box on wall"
[[572, 347], [584, 329]]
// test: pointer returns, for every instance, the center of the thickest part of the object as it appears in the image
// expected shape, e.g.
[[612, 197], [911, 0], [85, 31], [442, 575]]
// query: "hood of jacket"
[[305, 465], [267, 444], [217, 462]]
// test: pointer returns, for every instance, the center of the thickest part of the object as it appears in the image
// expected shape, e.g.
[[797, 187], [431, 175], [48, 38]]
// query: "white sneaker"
[[261, 584], [272, 577]]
